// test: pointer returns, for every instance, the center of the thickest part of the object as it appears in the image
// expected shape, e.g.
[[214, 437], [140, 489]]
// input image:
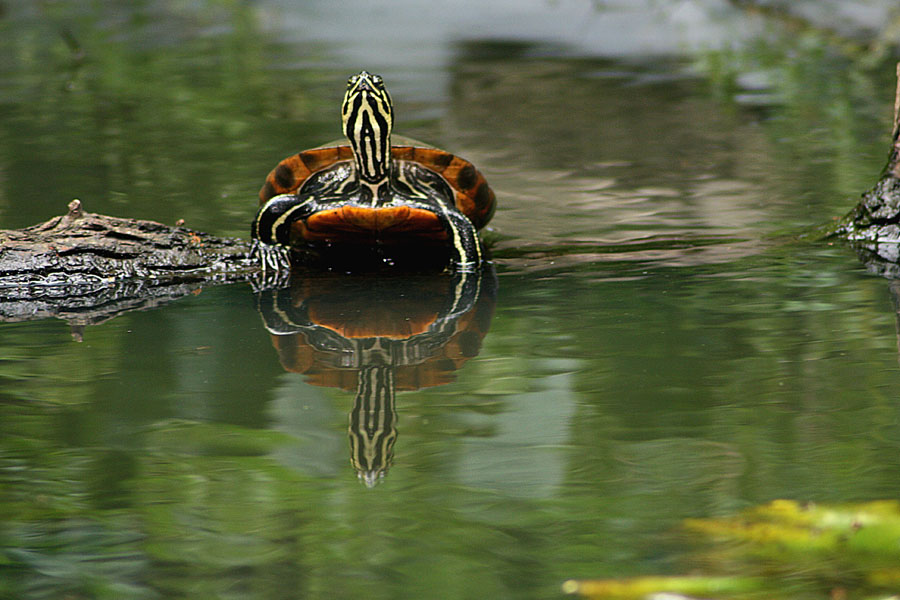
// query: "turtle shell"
[[472, 195]]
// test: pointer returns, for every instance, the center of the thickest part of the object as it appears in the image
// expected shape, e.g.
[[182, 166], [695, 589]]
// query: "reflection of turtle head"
[[373, 425]]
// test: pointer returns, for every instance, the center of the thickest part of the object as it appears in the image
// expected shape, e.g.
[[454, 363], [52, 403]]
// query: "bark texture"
[[85, 249], [87, 268], [875, 221]]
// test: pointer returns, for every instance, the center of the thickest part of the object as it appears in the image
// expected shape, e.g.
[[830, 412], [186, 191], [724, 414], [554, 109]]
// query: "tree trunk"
[[875, 221]]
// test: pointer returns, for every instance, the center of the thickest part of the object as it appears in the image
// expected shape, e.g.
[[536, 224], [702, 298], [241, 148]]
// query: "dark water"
[[655, 343]]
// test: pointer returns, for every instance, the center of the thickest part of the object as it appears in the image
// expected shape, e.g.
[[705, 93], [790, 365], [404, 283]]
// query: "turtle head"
[[368, 115]]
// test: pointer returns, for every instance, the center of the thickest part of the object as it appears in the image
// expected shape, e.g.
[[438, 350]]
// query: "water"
[[654, 341]]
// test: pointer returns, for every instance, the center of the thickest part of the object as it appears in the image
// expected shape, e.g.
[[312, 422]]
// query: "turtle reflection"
[[378, 335]]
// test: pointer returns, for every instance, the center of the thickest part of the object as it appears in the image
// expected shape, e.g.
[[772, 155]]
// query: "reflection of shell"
[[378, 336], [425, 327]]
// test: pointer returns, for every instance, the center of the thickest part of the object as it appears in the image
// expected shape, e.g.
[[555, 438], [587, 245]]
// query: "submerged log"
[[87, 268], [875, 221]]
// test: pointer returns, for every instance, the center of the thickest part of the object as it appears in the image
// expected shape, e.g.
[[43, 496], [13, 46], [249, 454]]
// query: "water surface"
[[658, 341]]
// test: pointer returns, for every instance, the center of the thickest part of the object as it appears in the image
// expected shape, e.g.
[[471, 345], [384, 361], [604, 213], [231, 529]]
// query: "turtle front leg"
[[271, 230], [271, 258], [464, 240]]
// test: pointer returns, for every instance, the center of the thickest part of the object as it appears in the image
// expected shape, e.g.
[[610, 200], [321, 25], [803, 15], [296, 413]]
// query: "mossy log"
[[87, 268]]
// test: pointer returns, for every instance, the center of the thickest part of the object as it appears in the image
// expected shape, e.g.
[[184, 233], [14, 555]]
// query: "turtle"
[[366, 191]]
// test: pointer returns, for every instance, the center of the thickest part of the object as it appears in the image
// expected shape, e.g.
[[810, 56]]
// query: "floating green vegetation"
[[783, 549]]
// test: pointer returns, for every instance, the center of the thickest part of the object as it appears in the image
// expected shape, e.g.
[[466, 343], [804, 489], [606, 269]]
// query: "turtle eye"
[[376, 79], [353, 79]]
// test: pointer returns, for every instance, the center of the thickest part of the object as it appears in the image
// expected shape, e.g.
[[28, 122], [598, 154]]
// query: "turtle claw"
[[275, 266], [271, 258]]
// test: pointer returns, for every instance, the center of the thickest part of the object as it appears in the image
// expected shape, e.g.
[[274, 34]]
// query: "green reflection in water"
[[638, 403], [654, 355], [148, 118]]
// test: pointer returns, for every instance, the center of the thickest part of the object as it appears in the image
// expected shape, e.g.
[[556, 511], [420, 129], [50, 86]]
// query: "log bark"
[[87, 268], [86, 249], [875, 221]]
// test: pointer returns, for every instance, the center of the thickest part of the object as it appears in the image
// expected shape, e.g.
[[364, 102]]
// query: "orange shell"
[[474, 197]]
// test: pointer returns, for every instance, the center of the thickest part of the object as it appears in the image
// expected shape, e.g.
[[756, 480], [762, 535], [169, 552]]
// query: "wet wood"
[[86, 267], [86, 249], [897, 107], [875, 221]]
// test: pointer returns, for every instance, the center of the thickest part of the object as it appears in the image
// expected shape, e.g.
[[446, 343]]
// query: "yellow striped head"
[[368, 116]]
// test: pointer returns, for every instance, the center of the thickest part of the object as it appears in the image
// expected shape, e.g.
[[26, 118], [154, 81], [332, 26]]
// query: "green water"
[[661, 345]]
